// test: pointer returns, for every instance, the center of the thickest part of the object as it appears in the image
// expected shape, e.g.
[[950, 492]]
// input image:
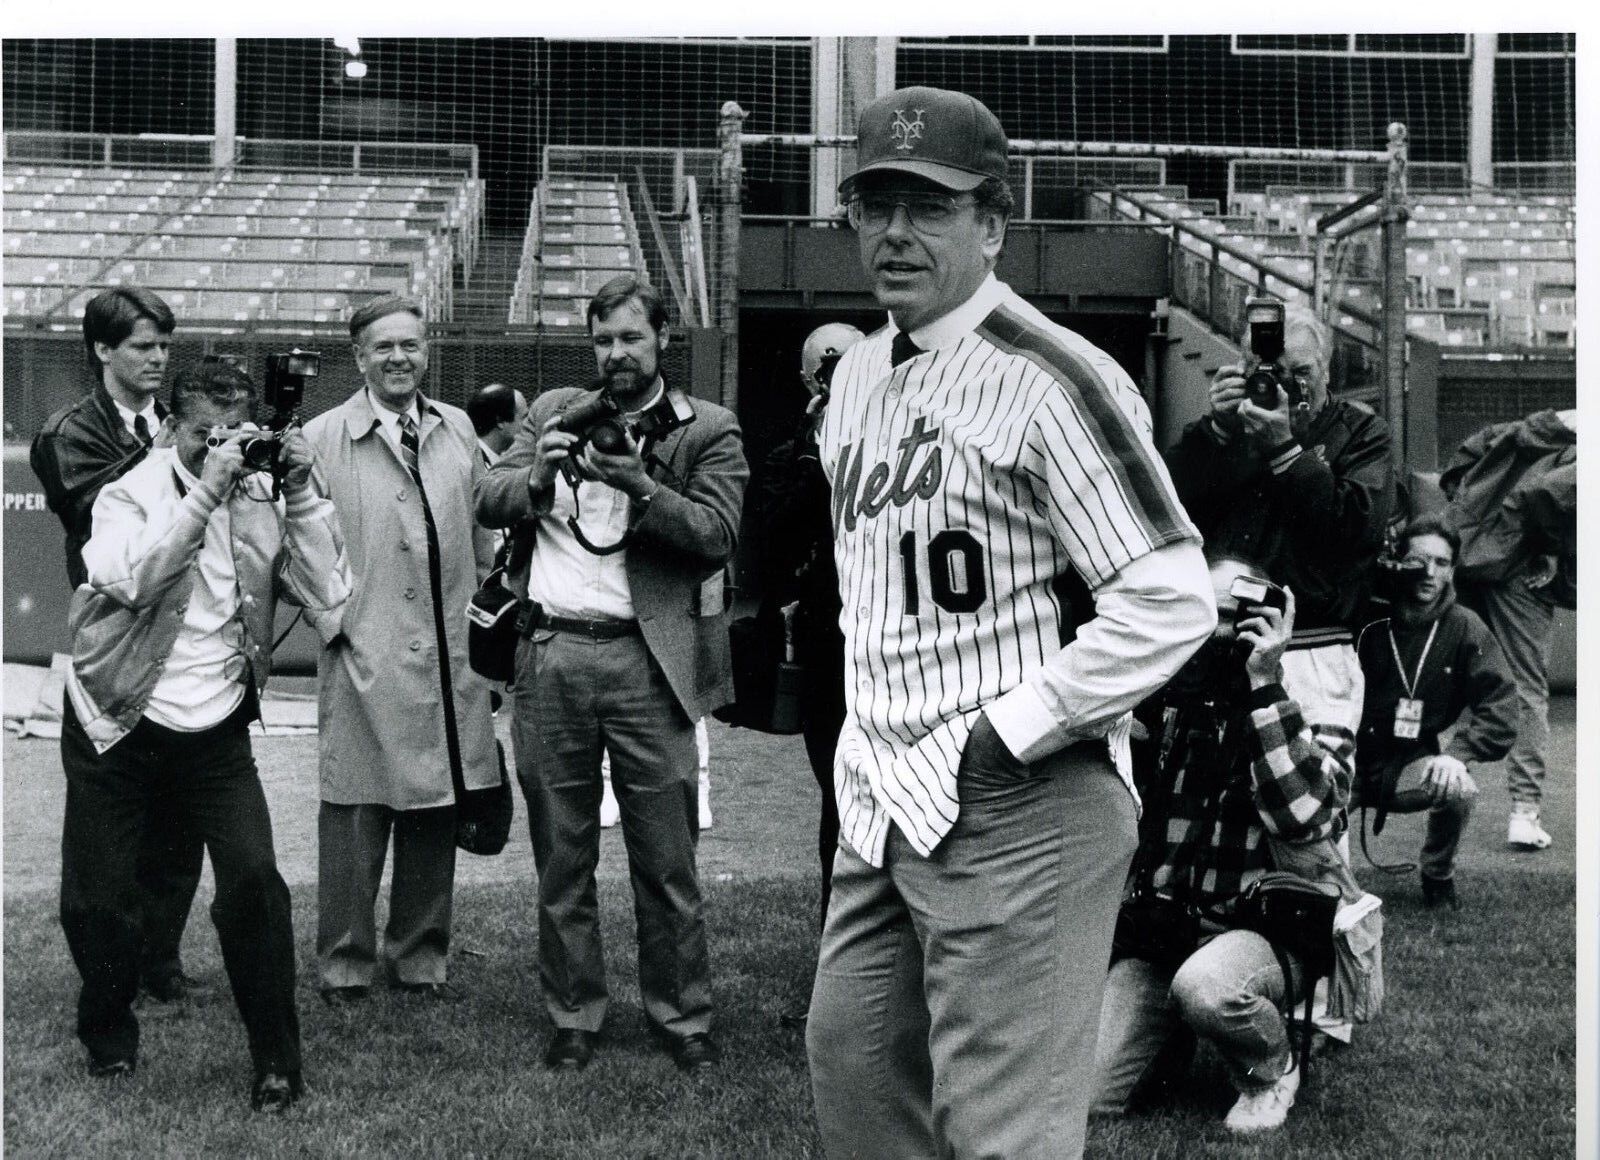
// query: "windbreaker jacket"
[[679, 546], [1314, 520], [141, 563], [1462, 673], [381, 715], [1513, 491], [80, 449]]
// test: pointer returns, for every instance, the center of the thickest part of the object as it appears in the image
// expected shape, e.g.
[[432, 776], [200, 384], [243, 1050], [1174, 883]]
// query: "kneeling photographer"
[[1231, 768], [1426, 664]]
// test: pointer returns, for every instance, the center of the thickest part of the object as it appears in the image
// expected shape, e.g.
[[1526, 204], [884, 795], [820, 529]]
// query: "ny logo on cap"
[[905, 132]]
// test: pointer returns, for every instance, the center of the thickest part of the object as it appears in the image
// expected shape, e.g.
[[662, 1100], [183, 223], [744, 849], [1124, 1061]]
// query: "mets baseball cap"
[[946, 137]]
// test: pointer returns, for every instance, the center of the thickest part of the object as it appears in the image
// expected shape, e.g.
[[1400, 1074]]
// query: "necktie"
[[141, 429], [903, 349], [409, 446]]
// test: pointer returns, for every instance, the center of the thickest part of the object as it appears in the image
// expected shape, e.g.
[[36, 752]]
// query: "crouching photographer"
[[1231, 769], [1426, 664], [171, 645]]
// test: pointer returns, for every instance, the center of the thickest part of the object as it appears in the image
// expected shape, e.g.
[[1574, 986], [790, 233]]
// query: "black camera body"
[[1252, 594], [285, 385], [1395, 579], [825, 368], [283, 391], [1156, 927], [1265, 316], [598, 419]]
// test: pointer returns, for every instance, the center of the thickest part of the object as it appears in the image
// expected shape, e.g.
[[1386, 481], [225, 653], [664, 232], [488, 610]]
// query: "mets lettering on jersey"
[[966, 482]]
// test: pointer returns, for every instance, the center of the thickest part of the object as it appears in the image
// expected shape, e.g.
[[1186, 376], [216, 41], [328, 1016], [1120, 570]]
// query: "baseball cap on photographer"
[[944, 136]]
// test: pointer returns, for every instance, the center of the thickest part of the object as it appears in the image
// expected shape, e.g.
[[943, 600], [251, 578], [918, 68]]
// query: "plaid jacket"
[[1232, 781]]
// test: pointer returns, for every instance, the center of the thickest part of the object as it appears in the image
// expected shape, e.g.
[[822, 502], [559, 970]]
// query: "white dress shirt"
[[202, 681], [149, 413], [563, 576], [390, 421]]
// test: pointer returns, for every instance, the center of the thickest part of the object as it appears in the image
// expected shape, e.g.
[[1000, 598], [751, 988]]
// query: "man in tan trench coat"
[[399, 704]]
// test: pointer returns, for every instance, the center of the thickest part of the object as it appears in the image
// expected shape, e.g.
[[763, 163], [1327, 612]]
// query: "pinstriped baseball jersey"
[[966, 481]]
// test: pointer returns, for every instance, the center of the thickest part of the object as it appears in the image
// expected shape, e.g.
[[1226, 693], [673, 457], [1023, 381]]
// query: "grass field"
[[1474, 1057]]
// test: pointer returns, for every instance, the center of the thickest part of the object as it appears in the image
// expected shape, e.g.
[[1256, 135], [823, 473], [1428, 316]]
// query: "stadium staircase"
[[231, 247], [581, 233], [1484, 269], [480, 299]]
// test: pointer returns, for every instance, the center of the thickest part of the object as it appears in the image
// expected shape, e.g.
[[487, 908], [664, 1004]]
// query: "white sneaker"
[[610, 813], [1264, 1110], [1524, 830]]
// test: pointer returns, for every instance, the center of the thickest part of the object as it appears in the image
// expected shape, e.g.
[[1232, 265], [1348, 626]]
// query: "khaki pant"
[[575, 697]]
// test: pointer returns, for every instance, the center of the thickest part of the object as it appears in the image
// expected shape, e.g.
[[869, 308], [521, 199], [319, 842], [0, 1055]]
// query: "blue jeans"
[[957, 995], [1230, 992]]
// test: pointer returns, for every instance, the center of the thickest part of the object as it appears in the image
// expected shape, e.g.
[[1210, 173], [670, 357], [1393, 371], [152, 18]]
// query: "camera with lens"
[[825, 368], [1252, 594], [598, 419], [1265, 317], [1394, 579], [283, 391]]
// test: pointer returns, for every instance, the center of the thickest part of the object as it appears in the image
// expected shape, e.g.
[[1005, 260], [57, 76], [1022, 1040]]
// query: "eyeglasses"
[[929, 213]]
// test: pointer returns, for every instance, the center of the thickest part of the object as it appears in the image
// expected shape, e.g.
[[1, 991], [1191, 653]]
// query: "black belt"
[[593, 629]]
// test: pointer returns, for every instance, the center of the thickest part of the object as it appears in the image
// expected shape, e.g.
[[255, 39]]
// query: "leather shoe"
[[173, 987], [571, 1049], [694, 1052], [274, 1092], [433, 992], [343, 996], [111, 1068], [1438, 892]]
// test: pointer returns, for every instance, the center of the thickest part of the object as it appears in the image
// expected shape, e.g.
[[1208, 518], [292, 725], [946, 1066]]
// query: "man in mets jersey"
[[1016, 573]]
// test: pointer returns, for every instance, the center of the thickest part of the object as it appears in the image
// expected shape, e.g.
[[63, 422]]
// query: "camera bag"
[[483, 816], [493, 629]]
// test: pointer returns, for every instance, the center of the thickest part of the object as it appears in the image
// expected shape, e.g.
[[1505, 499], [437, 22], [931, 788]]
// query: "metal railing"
[[1390, 324], [197, 151]]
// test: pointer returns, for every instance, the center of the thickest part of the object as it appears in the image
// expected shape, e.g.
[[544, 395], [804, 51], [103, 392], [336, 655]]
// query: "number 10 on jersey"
[[953, 560]]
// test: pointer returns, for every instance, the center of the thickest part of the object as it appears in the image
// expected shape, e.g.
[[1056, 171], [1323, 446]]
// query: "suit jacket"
[[80, 449], [679, 546], [381, 718]]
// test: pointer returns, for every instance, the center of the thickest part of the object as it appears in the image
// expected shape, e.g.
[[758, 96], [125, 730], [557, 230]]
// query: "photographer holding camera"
[[1425, 665], [171, 646], [635, 494], [802, 576], [1232, 765], [127, 334], [1284, 474]]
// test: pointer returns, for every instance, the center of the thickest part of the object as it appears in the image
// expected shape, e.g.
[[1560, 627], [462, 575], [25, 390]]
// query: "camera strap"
[[646, 453]]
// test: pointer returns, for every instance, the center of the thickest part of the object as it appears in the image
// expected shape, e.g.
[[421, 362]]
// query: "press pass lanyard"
[[1408, 710]]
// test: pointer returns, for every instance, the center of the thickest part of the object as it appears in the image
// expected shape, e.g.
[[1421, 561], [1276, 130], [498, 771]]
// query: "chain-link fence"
[[46, 370]]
